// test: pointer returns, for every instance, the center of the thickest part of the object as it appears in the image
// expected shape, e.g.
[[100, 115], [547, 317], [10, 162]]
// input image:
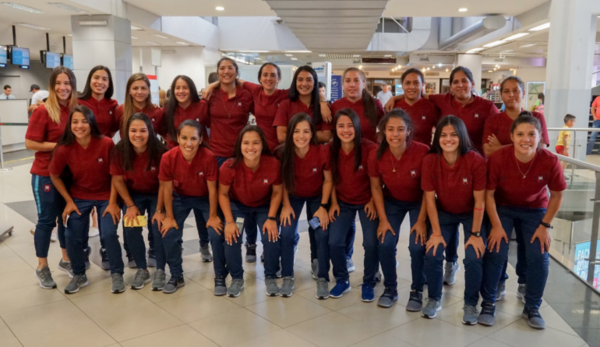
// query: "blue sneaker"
[[339, 289], [368, 294]]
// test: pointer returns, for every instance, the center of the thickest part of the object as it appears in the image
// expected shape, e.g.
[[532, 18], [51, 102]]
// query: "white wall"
[[189, 61], [33, 39], [256, 33]]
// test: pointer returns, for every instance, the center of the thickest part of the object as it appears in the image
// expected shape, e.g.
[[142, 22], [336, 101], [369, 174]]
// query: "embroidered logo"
[[314, 170], [540, 179], [476, 115], [201, 174], [423, 117], [465, 181], [152, 169], [47, 188], [109, 112], [266, 181], [239, 104], [100, 161], [413, 173], [197, 119], [153, 120], [360, 168]]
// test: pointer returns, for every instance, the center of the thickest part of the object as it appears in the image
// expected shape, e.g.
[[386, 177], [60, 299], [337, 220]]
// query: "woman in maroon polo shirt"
[[423, 113], [310, 185], [96, 95], [138, 99], [189, 175], [249, 185], [454, 184], [304, 97], [46, 125], [134, 167], [395, 172]]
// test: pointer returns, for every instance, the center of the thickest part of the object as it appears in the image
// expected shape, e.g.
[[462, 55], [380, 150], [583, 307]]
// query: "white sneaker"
[[53, 237], [94, 232]]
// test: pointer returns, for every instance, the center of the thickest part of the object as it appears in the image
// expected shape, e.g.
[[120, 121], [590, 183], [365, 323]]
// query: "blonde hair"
[[52, 104], [128, 108]]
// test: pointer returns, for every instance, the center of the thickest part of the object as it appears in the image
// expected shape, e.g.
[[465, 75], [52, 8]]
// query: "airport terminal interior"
[[553, 46]]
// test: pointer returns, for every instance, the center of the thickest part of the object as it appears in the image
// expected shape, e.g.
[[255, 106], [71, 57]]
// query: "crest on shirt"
[[100, 161], [239, 104], [465, 181], [476, 115], [360, 168], [413, 173], [540, 179], [266, 181], [109, 112], [314, 170], [423, 117], [153, 120], [152, 169], [47, 188], [201, 174], [197, 119]]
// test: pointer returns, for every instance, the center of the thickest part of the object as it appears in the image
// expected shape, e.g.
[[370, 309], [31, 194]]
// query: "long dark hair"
[[396, 113], [337, 143], [173, 103], [464, 142], [526, 117], [368, 101], [237, 152], [413, 70], [288, 150], [235, 65], [125, 153], [464, 70], [68, 138], [87, 90], [267, 64], [315, 98], [194, 124]]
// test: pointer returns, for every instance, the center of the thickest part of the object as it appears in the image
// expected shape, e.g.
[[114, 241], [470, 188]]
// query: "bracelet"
[[131, 206], [547, 225], [227, 223], [325, 206], [272, 218]]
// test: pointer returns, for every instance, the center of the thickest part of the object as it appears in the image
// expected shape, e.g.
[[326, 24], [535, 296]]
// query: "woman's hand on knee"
[[477, 244], [434, 242], [270, 227], [287, 214], [114, 211], [167, 225], [497, 234], [215, 223], [231, 233], [383, 228]]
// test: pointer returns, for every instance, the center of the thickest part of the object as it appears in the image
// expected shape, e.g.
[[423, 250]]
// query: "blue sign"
[[52, 60], [336, 87], [20, 56], [582, 251], [3, 55]]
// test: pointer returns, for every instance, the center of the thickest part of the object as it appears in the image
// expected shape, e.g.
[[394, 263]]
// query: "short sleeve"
[[212, 172], [325, 157], [165, 173], [493, 109], [427, 173], [253, 88], [545, 137], [203, 113], [227, 173], [596, 102], [36, 129], [59, 161], [281, 117], [372, 165], [557, 181], [479, 173]]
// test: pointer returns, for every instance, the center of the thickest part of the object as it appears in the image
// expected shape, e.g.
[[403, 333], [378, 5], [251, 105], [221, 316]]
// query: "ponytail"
[[370, 107]]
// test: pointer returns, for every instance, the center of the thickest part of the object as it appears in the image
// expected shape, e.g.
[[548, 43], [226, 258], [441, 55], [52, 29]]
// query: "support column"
[[569, 68], [473, 63], [108, 45]]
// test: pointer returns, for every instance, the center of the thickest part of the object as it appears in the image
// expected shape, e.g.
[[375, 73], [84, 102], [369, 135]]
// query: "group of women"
[[337, 161]]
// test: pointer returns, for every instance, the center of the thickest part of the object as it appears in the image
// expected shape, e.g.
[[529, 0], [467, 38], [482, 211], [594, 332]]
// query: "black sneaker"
[[220, 286], [387, 299], [105, 265], [250, 253], [534, 319], [487, 314], [173, 284], [415, 302]]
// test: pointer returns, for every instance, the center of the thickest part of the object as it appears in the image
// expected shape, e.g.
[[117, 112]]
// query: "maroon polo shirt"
[[155, 115], [189, 179], [308, 171], [195, 111], [265, 109], [139, 179], [288, 109], [251, 188], [499, 124], [424, 116], [104, 111], [42, 129], [228, 116], [355, 186], [369, 131]]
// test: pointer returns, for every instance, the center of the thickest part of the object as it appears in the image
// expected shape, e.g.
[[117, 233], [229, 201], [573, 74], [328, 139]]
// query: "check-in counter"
[[13, 111]]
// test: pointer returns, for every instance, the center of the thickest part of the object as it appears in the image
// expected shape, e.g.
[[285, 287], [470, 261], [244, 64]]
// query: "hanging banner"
[[336, 87], [154, 89]]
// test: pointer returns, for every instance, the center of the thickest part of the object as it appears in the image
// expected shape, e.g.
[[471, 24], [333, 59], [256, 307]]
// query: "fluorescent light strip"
[[516, 36], [528, 45], [322, 55], [160, 36], [474, 50], [93, 23], [133, 27], [183, 43], [67, 7], [153, 43], [294, 58], [27, 25], [289, 55], [21, 7], [298, 52], [541, 27], [494, 44], [463, 9], [356, 56]]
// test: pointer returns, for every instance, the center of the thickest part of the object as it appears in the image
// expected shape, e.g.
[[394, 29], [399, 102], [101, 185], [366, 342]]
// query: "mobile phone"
[[142, 221], [314, 223], [66, 220], [240, 223]]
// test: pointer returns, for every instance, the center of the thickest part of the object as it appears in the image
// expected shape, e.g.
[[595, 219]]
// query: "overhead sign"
[[336, 87]]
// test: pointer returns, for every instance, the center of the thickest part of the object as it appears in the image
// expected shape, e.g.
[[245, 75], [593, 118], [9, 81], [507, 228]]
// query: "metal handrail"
[[580, 163], [574, 129]]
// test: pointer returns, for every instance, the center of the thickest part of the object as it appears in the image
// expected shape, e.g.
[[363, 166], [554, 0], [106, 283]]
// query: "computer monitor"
[[67, 61], [3, 56], [19, 56], [52, 60]]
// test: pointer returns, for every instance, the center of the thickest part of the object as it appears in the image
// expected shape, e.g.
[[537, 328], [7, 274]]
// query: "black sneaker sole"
[[78, 289]]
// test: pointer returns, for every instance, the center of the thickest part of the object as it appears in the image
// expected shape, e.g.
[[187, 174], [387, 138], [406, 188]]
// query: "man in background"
[[37, 98], [6, 95], [385, 94], [595, 110]]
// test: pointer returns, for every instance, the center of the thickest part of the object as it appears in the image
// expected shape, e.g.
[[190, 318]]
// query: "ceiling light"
[[527, 45], [153, 43], [67, 7], [508, 50], [289, 55], [133, 27], [447, 70], [134, 38], [360, 67], [322, 55], [182, 43], [294, 58], [387, 56], [21, 7], [490, 71], [516, 36], [257, 59], [27, 25], [463, 9], [428, 69], [356, 55], [92, 23], [160, 36], [256, 51], [540, 27], [220, 8], [298, 52], [474, 50], [495, 43], [399, 66], [440, 64]]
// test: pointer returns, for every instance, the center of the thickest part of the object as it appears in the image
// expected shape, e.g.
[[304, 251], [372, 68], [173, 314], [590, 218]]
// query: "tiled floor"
[[31, 316]]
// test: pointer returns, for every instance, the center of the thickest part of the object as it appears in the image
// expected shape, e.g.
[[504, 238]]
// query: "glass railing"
[[575, 233]]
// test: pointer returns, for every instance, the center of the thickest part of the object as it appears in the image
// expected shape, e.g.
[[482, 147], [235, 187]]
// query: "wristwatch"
[[476, 233], [549, 226], [272, 218]]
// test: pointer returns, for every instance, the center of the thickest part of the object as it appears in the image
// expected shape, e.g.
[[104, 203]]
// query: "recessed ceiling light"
[[298, 52], [294, 58], [527, 45], [490, 71], [133, 27], [463, 9], [360, 67], [21, 7], [134, 38], [220, 8], [153, 43], [474, 50], [387, 56], [92, 23], [322, 55], [356, 55], [506, 51], [160, 36], [447, 70], [540, 27], [516, 36], [495, 43], [289, 55], [67, 7], [27, 25], [182, 43]]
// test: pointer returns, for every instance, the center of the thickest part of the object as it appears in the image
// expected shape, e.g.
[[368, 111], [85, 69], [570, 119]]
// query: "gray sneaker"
[[287, 288], [160, 279], [272, 287], [450, 270], [501, 292], [45, 278], [78, 282], [173, 284], [415, 302], [534, 319], [65, 266], [118, 286], [314, 268], [350, 265], [131, 263], [378, 276], [431, 308], [250, 253], [151, 262], [142, 276], [220, 286], [205, 253], [521, 291], [470, 315], [235, 288], [322, 289], [486, 317]]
